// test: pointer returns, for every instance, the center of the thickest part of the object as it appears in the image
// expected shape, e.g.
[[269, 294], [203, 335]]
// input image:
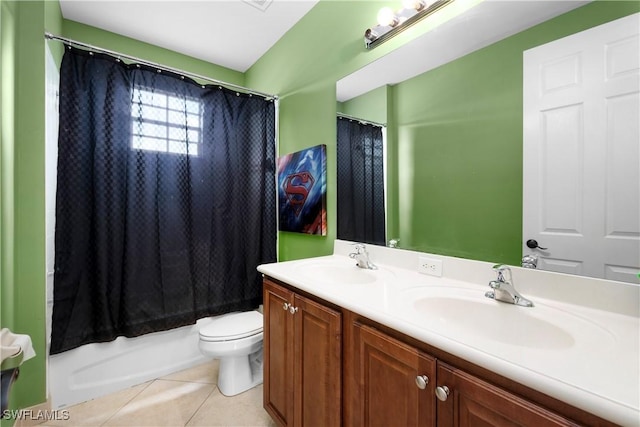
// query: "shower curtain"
[[165, 200], [360, 186]]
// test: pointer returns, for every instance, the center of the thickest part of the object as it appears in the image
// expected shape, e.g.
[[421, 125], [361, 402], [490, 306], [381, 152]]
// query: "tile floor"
[[186, 398]]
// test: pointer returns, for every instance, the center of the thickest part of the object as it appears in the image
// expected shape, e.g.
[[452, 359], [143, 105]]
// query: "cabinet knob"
[[422, 381], [292, 309], [285, 306], [442, 392]]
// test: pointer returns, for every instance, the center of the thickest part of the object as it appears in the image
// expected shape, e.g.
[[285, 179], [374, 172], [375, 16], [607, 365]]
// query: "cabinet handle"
[[285, 306], [422, 381], [442, 392], [292, 309]]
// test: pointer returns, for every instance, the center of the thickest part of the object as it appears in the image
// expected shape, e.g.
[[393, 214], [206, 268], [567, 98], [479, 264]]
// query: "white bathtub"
[[94, 370]]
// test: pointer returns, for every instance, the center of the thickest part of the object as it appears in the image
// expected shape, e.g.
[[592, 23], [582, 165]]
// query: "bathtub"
[[94, 370]]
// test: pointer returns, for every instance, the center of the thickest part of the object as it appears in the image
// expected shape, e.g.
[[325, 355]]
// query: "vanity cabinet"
[[302, 359], [394, 382], [327, 366]]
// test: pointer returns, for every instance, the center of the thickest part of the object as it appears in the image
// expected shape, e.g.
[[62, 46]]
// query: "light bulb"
[[413, 4], [387, 17]]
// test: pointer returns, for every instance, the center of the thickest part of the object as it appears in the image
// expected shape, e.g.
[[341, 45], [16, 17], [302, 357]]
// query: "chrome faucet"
[[361, 255], [503, 289]]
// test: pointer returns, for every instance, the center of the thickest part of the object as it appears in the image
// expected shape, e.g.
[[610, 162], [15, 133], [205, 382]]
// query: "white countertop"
[[592, 362]]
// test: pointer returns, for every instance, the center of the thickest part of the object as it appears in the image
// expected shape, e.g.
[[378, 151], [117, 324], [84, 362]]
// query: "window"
[[166, 123]]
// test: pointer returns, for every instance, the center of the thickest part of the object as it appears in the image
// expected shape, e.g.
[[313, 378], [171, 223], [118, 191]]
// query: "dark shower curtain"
[[360, 184], [165, 201]]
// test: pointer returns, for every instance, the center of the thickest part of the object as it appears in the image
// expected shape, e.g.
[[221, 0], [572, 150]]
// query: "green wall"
[[7, 141], [22, 223]]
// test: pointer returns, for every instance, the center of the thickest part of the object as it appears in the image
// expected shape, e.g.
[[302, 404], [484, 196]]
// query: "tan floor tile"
[[244, 409], [95, 412], [203, 373], [163, 403]]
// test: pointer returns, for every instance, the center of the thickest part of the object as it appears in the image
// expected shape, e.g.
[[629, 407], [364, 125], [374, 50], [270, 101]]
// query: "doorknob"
[[534, 244]]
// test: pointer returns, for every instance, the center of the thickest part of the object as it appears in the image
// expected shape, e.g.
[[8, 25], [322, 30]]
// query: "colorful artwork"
[[302, 191]]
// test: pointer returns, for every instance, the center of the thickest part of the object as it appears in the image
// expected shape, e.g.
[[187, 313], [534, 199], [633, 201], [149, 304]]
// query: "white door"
[[581, 179]]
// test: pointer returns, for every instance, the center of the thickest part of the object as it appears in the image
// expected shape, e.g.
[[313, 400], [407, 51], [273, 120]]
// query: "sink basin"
[[337, 272], [467, 312]]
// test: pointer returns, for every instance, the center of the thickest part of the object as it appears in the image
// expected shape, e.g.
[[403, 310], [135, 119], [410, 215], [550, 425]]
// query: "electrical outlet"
[[430, 266]]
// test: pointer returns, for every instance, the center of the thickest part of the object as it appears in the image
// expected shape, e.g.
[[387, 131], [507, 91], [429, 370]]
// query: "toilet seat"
[[233, 326]]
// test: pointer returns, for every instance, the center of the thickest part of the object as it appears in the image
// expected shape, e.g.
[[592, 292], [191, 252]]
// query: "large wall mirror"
[[456, 158]]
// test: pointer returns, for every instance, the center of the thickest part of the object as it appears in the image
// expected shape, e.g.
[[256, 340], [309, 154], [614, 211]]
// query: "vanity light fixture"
[[391, 23]]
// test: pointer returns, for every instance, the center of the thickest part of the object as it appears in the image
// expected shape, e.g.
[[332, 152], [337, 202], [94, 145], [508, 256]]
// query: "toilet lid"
[[233, 326]]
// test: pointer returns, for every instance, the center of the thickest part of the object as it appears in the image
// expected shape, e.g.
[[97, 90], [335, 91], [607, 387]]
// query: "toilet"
[[236, 340]]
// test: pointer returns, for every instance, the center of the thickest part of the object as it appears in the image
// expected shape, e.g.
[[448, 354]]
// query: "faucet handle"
[[529, 261], [360, 248], [500, 268]]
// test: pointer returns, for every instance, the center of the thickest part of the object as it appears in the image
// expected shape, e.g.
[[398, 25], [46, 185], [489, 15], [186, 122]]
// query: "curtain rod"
[[243, 89], [366, 122]]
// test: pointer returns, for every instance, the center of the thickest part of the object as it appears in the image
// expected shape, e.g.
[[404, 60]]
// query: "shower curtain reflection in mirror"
[[360, 182]]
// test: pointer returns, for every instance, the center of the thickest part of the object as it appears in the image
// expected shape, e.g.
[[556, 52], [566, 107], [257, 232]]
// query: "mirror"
[[455, 127]]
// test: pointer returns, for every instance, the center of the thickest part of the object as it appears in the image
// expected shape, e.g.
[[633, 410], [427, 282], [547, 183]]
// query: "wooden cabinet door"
[[302, 359], [317, 364], [386, 371], [475, 403], [278, 354]]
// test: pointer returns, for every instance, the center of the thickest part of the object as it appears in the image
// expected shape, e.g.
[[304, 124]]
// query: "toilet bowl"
[[236, 340]]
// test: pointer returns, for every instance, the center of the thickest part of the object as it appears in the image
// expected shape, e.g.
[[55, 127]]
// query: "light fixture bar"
[[381, 33]]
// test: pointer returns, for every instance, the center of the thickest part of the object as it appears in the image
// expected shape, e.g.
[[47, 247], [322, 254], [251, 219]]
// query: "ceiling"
[[230, 33], [236, 33]]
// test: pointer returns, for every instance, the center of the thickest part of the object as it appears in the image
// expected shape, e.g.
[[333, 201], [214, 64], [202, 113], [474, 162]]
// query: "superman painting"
[[302, 191]]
